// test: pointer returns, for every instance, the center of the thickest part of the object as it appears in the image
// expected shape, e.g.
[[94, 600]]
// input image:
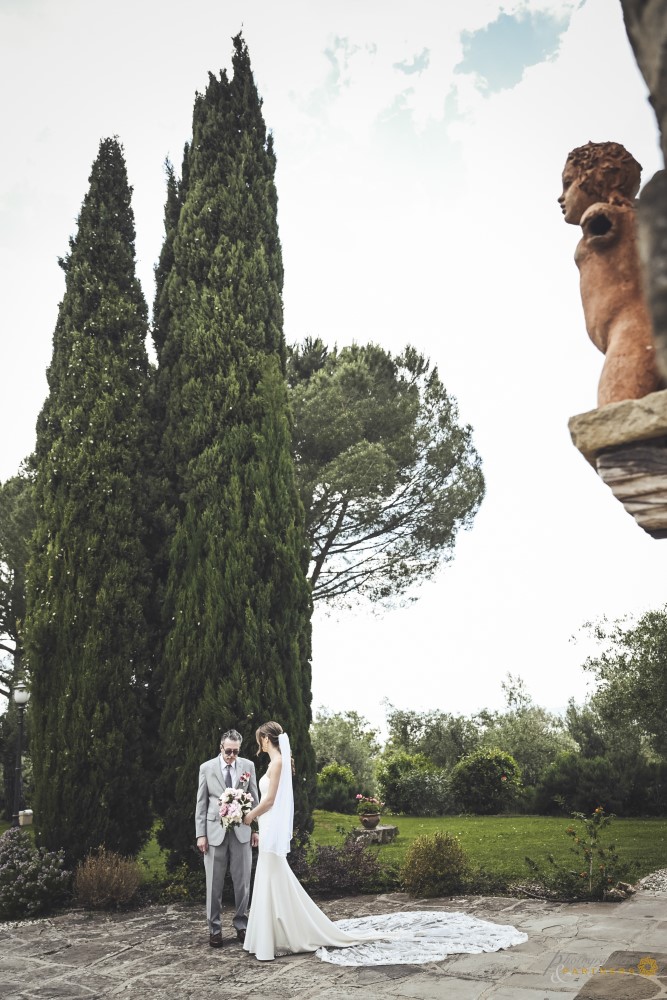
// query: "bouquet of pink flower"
[[234, 804]]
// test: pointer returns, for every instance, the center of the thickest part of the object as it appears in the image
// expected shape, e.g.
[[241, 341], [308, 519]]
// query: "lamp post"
[[21, 697]]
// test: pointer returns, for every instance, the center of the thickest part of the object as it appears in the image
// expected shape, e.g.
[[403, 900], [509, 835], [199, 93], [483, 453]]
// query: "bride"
[[284, 919]]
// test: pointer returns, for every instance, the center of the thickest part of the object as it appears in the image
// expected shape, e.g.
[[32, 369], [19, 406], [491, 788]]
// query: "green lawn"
[[495, 844], [499, 844]]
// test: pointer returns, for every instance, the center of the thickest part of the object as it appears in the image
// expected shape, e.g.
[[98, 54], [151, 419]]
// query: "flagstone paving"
[[586, 950]]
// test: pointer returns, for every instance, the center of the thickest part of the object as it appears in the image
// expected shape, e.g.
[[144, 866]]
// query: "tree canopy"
[[387, 474], [17, 521], [346, 738], [532, 735], [88, 635], [442, 737], [237, 604], [631, 674]]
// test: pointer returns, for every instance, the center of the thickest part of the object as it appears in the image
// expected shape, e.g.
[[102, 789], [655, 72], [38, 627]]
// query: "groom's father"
[[221, 846]]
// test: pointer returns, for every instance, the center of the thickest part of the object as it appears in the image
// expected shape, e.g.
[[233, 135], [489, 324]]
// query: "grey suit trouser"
[[239, 857]]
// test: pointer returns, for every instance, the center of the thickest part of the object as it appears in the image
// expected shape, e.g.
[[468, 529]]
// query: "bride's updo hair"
[[271, 731]]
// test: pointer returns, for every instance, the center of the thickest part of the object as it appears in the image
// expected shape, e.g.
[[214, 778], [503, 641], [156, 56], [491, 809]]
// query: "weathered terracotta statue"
[[600, 182]]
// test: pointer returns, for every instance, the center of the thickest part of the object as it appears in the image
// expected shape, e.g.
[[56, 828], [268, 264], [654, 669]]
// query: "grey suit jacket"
[[211, 787]]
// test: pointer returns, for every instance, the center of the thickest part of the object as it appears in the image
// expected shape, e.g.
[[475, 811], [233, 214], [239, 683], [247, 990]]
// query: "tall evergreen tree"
[[238, 607], [89, 579]]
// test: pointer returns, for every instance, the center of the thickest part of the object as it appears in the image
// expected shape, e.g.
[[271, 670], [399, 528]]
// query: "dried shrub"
[[434, 866], [32, 880], [106, 880]]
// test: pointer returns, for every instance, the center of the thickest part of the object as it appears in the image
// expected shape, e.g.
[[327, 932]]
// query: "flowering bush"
[[368, 805], [234, 805], [32, 880]]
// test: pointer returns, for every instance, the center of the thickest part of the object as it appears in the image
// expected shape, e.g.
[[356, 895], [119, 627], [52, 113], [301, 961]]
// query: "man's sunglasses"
[[230, 753]]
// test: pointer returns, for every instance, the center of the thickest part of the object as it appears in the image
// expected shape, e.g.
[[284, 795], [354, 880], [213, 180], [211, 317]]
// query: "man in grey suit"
[[222, 846]]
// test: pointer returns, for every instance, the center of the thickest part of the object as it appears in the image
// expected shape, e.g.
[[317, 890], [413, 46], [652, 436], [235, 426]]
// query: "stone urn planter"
[[369, 820]]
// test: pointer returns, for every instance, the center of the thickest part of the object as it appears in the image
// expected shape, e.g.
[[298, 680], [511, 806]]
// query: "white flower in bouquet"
[[234, 804]]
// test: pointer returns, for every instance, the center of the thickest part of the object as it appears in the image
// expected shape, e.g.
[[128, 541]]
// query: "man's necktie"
[[228, 776]]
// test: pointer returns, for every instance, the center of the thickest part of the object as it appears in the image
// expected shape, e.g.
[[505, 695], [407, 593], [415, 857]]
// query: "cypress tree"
[[238, 607], [88, 637]]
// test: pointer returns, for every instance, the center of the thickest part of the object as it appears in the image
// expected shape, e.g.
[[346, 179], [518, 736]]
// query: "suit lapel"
[[241, 766], [217, 773]]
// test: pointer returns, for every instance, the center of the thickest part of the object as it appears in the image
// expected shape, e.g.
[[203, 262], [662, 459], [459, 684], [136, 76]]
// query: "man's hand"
[[254, 840], [202, 844]]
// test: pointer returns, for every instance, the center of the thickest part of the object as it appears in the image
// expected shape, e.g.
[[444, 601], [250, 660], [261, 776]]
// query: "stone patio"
[[573, 950]]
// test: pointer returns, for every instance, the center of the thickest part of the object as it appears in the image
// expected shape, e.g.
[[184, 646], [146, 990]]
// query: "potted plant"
[[369, 810]]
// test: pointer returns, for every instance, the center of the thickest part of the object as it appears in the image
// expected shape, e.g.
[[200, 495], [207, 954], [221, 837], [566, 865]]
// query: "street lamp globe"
[[21, 694]]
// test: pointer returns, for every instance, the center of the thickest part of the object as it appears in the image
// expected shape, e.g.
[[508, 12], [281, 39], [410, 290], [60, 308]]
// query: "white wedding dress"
[[284, 919]]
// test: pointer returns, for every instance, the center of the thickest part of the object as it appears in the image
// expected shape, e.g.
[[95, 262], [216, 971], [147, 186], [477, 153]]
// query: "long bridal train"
[[285, 920]]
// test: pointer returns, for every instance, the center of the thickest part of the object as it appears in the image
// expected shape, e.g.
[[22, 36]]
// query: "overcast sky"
[[419, 148]]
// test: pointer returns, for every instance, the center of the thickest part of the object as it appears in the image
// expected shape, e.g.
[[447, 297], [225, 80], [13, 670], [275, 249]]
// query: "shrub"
[[628, 785], [336, 788], [105, 880], [352, 868], [412, 784], [577, 783], [181, 883], [32, 880], [487, 781], [434, 866], [597, 867]]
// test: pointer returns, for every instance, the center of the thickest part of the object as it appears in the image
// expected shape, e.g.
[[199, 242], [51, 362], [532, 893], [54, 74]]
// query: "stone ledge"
[[626, 443], [619, 423]]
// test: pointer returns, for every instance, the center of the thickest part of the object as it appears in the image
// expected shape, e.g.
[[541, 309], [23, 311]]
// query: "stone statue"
[[600, 182]]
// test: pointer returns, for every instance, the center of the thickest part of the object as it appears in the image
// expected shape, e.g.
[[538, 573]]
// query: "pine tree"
[[89, 580], [238, 607]]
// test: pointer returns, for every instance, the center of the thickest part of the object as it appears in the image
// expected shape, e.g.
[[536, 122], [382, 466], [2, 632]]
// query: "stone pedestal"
[[626, 443], [382, 834]]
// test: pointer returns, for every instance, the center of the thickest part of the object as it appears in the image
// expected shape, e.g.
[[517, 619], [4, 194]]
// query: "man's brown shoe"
[[240, 935], [215, 940]]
